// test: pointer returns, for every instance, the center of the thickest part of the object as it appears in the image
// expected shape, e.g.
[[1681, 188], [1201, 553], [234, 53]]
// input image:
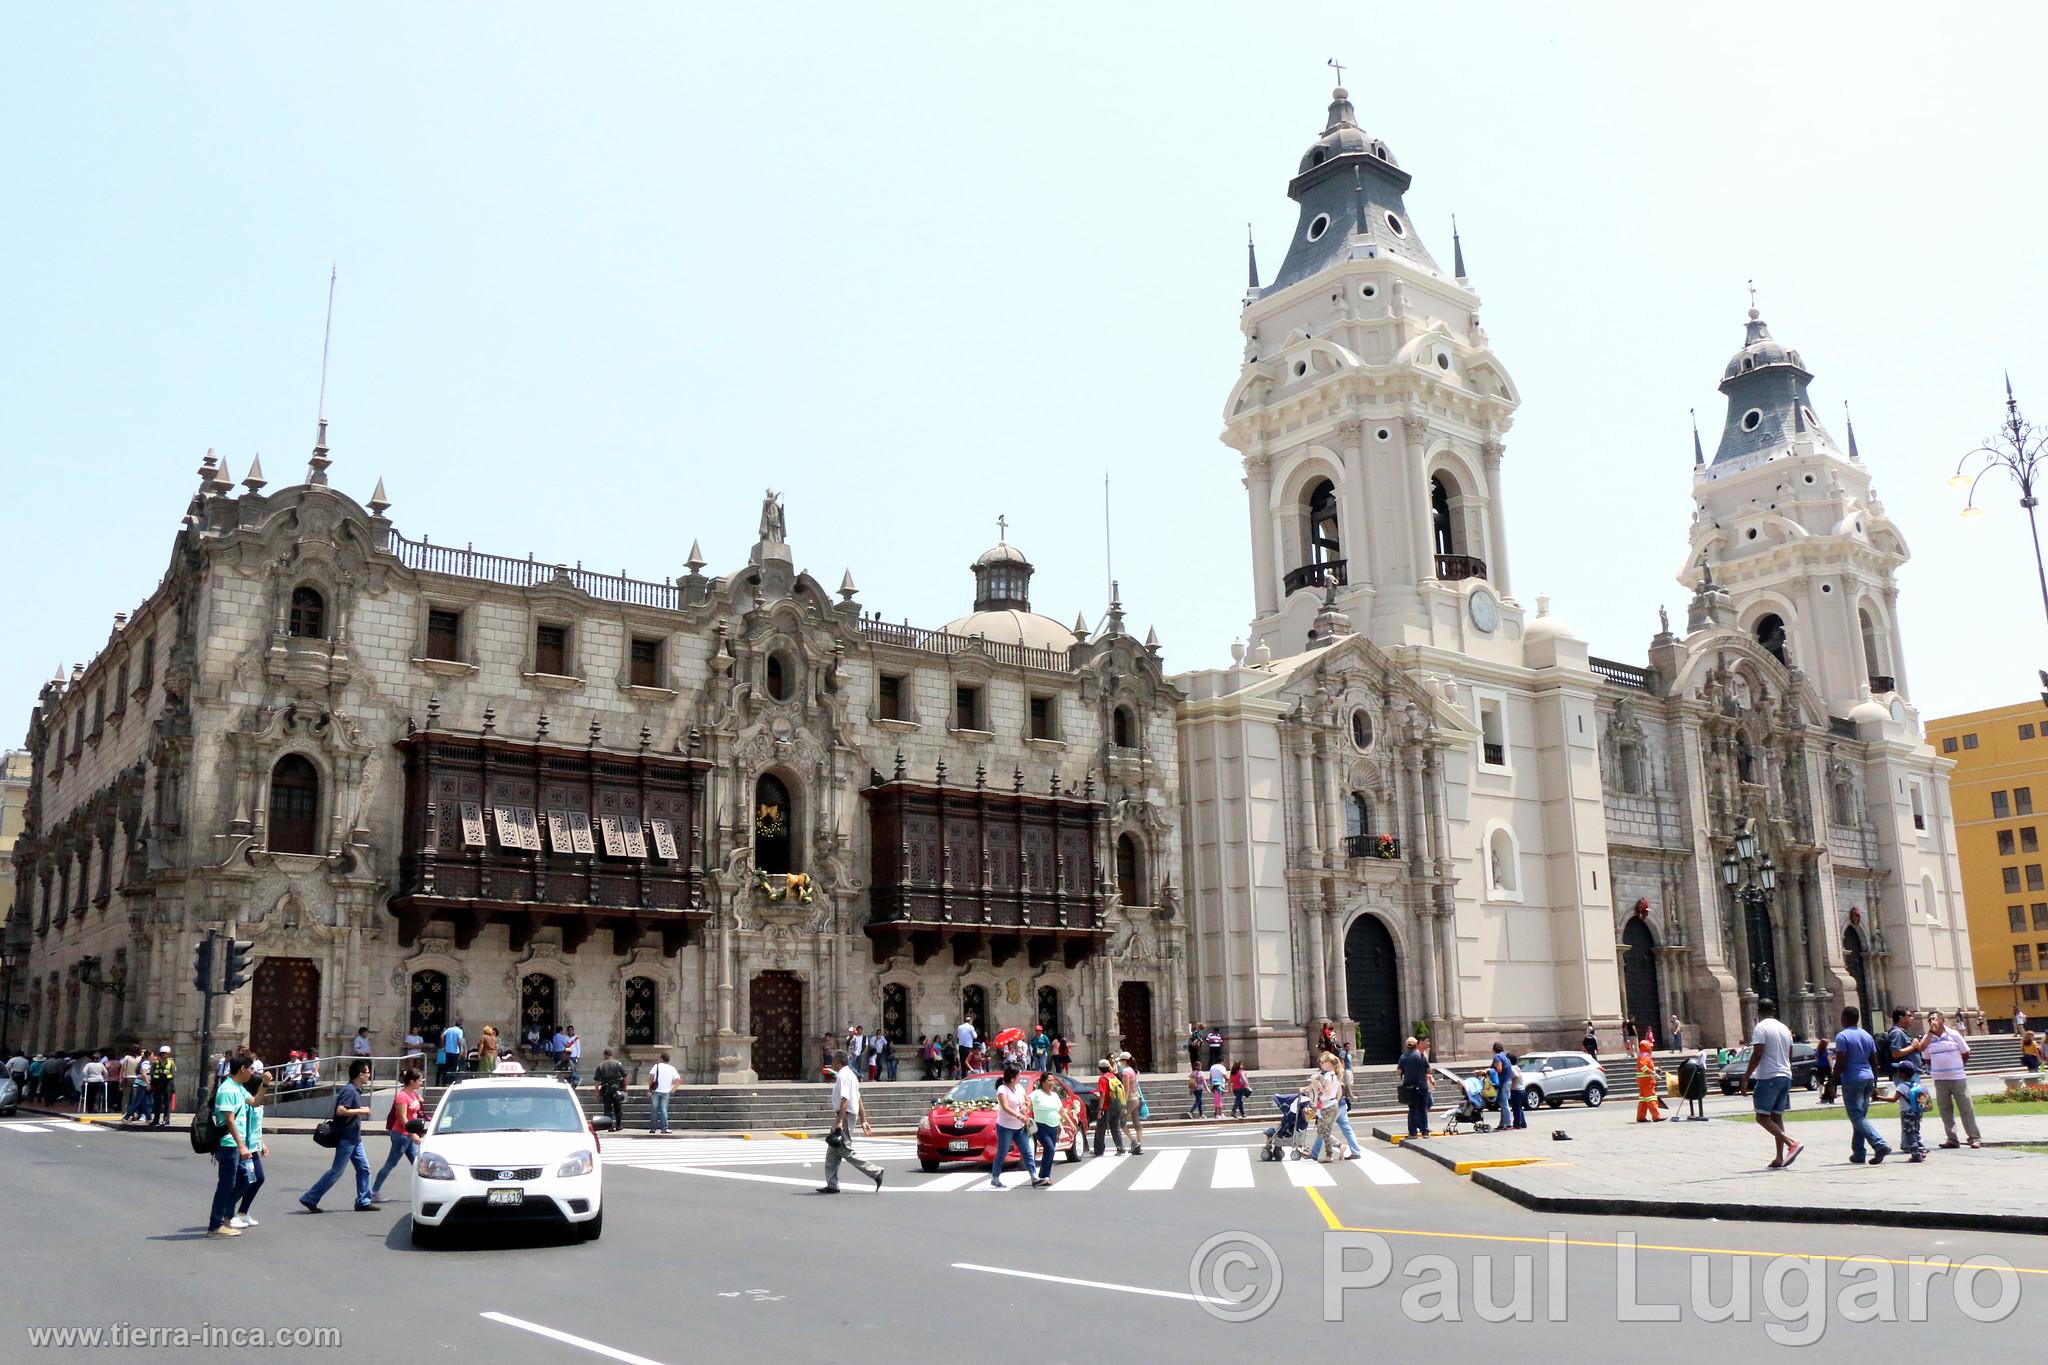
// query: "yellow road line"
[[1467, 1167], [1334, 1224]]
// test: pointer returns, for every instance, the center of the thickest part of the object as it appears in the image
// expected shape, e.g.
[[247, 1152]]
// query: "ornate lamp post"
[[1750, 881], [2016, 450]]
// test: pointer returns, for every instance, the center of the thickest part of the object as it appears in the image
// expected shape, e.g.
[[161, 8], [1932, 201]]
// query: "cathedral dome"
[[1546, 626], [1011, 627], [1002, 604], [1343, 137], [1759, 350]]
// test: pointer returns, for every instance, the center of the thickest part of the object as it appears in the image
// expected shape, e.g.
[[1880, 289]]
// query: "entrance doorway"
[[284, 1008], [537, 1008], [1372, 971], [1763, 955], [775, 1016], [1639, 975], [1134, 1022]]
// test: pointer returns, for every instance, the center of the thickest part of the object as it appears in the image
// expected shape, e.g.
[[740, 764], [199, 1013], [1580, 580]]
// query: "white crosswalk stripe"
[[1163, 1169], [27, 1128]]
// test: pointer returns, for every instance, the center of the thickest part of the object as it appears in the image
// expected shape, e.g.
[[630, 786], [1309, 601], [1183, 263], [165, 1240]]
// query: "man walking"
[[1413, 1069], [611, 1089], [965, 1038], [350, 1110], [1590, 1044], [234, 1161], [847, 1110], [163, 1072], [572, 1054], [660, 1082], [1855, 1051], [1677, 1035], [1769, 1075]]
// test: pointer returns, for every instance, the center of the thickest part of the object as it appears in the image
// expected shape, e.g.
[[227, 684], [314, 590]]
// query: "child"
[[1912, 1104], [1198, 1082], [1218, 1079]]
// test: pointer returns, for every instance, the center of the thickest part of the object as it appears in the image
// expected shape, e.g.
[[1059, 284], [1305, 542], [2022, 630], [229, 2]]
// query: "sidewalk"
[[1677, 1169]]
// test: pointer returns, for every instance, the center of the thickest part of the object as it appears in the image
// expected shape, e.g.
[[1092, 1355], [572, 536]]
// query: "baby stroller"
[[1289, 1131], [1471, 1108]]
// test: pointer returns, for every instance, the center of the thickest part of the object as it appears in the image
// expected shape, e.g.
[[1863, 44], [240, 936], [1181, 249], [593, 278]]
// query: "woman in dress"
[[487, 1051], [1048, 1105], [1013, 1118]]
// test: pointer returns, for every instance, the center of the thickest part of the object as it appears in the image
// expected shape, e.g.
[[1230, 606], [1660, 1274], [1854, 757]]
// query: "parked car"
[[1553, 1077], [10, 1095], [962, 1125], [1803, 1069], [509, 1149]]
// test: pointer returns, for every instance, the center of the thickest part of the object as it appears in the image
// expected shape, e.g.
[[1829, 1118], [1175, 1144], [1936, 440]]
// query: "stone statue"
[[1499, 872], [771, 518], [1663, 621]]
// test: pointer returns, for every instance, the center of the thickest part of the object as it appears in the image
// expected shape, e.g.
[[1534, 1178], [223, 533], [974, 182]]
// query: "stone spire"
[[378, 502], [1252, 258], [1850, 422], [254, 480], [1699, 456], [316, 467], [1457, 251]]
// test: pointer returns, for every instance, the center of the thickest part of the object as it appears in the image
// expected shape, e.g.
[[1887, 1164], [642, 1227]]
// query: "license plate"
[[506, 1196], [957, 1146]]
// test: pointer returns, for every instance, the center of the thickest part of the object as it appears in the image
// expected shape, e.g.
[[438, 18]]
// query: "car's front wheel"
[[1812, 1081], [593, 1229], [1594, 1094], [928, 1164], [1074, 1152], [425, 1234], [1531, 1098]]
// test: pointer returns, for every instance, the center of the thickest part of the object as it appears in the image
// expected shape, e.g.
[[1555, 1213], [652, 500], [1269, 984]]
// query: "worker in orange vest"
[[1648, 1109]]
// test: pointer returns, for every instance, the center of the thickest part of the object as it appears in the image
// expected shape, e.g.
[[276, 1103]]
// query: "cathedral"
[[722, 816]]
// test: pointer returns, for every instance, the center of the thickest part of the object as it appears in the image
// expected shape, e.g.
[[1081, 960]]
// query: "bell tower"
[[1369, 412], [1786, 522]]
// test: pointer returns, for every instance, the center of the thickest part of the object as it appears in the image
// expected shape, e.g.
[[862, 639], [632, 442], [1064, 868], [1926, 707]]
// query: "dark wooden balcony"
[[974, 871], [1458, 568], [1881, 683], [1328, 573], [462, 866]]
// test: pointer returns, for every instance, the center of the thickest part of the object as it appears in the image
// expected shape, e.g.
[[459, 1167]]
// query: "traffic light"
[[202, 965], [239, 965]]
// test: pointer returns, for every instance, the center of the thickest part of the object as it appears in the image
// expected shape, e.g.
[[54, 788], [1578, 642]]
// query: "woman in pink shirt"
[[1947, 1051], [405, 1111]]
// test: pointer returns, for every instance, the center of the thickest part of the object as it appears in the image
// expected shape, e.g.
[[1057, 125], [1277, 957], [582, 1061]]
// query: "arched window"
[[1770, 633], [294, 806], [1503, 866], [1361, 728], [537, 1005], [778, 678], [1123, 728], [1129, 884], [774, 818], [426, 1009], [1441, 523], [974, 1009], [643, 1012], [1844, 801], [1324, 543], [309, 614], [1629, 757], [1049, 1010]]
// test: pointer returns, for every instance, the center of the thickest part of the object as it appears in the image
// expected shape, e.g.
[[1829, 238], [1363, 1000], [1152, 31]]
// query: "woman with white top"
[[1048, 1106], [1013, 1117], [1947, 1051]]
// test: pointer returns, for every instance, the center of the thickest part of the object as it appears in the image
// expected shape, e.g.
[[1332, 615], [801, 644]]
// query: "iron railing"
[[1621, 674], [531, 572], [944, 642]]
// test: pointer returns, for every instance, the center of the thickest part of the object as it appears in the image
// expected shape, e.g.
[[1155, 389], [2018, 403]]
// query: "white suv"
[[508, 1149]]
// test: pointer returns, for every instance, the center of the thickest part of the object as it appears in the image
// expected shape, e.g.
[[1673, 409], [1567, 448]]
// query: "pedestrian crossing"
[[1158, 1170], [23, 1126]]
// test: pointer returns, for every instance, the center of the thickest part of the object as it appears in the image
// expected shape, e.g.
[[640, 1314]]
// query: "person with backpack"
[[1109, 1107], [611, 1089], [1198, 1083], [234, 1161], [349, 1113], [259, 1091]]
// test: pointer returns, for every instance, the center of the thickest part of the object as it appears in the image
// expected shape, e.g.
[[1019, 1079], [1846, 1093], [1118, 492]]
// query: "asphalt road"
[[750, 1264]]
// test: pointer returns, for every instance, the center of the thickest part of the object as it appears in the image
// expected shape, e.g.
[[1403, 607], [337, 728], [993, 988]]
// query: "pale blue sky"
[[604, 280]]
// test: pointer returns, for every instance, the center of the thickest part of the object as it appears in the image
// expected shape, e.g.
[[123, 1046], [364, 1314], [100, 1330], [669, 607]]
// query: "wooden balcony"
[[1458, 568], [1325, 574]]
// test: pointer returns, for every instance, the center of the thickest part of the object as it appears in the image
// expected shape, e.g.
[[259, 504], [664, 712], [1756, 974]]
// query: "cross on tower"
[[1752, 293], [1002, 528], [1338, 67]]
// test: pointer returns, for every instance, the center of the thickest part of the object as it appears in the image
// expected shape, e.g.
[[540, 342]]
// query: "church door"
[[1373, 972], [284, 1008], [1134, 1022], [1639, 975], [775, 1014], [1763, 955]]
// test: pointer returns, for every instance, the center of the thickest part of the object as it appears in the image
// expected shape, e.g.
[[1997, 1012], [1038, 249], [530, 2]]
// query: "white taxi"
[[508, 1149]]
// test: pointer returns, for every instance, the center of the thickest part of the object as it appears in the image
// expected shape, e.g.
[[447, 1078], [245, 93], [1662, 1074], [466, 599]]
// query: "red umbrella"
[[1006, 1037]]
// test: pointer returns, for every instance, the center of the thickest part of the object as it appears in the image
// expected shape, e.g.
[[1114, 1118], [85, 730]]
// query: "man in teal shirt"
[[232, 1154]]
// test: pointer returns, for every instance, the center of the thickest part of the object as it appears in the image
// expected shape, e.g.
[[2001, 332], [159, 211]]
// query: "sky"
[[605, 276]]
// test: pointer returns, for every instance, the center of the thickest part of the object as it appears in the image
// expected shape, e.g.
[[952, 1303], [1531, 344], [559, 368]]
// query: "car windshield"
[[974, 1088], [509, 1111]]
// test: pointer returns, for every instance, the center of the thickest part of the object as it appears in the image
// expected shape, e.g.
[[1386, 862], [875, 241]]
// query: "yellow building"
[[2001, 759]]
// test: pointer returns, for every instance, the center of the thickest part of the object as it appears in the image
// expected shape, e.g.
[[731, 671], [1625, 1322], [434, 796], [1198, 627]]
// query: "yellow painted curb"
[[790, 1134], [1467, 1167]]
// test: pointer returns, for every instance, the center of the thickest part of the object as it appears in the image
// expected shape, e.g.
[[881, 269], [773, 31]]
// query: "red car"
[[962, 1125]]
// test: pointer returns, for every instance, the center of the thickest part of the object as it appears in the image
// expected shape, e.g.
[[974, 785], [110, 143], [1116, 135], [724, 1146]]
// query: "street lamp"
[[2017, 450], [1750, 881]]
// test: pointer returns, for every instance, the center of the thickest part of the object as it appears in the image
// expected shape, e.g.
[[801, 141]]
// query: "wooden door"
[[1372, 978], [775, 1016], [1639, 977], [1134, 1022], [284, 1009]]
